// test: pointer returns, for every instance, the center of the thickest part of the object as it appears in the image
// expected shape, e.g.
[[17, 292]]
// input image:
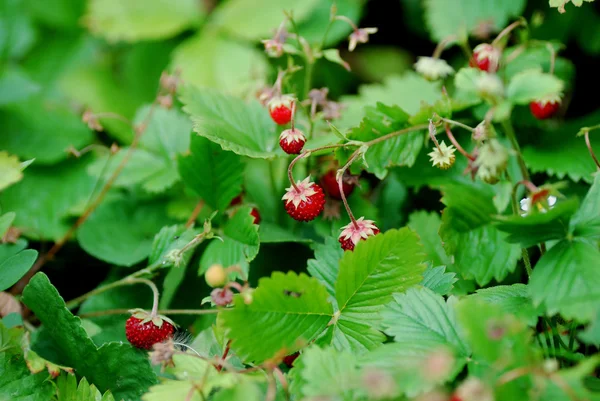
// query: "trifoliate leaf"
[[511, 299], [216, 175], [121, 231], [125, 371], [288, 310], [446, 18], [381, 265], [586, 221], [210, 60], [244, 128], [401, 150], [137, 20], [566, 280], [324, 372], [479, 249], [532, 85], [536, 228]]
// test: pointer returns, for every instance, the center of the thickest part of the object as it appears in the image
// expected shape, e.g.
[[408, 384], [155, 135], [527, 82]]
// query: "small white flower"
[[491, 161], [489, 85], [433, 68], [443, 157]]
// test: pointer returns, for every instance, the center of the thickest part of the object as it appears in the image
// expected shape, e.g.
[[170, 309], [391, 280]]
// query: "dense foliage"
[[247, 200]]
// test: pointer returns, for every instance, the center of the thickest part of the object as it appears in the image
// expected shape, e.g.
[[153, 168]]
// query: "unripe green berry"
[[216, 276]]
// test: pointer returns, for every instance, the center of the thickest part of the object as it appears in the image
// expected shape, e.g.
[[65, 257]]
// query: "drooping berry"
[[143, 331], [221, 296], [292, 141], [352, 233], [256, 215], [289, 359], [280, 108], [544, 109], [306, 202], [215, 276], [486, 57], [236, 201], [330, 185]]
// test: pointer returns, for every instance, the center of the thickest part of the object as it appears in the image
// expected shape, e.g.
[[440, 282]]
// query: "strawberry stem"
[[442, 45], [590, 149], [347, 20], [339, 177], [456, 144], [453, 122], [293, 113], [510, 134], [552, 57], [109, 312], [305, 154], [219, 367], [396, 133], [508, 29], [154, 289]]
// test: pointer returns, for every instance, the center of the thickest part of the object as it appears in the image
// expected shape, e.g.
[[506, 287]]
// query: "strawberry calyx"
[[145, 317]]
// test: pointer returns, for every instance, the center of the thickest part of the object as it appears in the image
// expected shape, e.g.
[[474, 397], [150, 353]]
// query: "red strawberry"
[[292, 141], [143, 331], [280, 108], [289, 359], [351, 234], [455, 397], [256, 215], [331, 187], [306, 203], [236, 201], [545, 108], [486, 57]]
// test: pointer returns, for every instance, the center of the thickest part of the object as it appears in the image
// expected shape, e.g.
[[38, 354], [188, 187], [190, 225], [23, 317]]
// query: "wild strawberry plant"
[[198, 204]]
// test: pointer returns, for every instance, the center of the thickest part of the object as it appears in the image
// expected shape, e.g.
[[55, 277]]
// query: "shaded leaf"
[[586, 221], [530, 85], [325, 265], [68, 390], [15, 267], [427, 225], [510, 299], [438, 280]]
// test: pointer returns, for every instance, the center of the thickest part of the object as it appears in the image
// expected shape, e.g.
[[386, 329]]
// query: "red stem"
[[456, 144]]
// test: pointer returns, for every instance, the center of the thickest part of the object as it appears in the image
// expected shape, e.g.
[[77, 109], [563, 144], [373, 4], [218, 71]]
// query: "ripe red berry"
[[256, 215], [486, 57], [143, 331], [292, 141], [543, 109], [455, 397], [330, 185], [280, 108], [306, 203], [351, 233], [289, 359], [236, 201]]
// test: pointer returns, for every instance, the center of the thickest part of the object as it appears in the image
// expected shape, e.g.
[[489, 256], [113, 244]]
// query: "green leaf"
[[121, 231], [288, 310], [325, 265], [312, 27], [495, 337], [10, 170], [537, 57], [566, 280], [265, 181], [319, 373], [510, 299], [349, 335], [530, 85], [243, 391], [479, 249], [6, 221], [26, 126], [586, 221], [438, 281], [407, 91], [211, 60], [445, 18], [138, 20], [18, 33], [125, 371], [68, 390], [427, 225], [381, 265], [16, 381], [214, 174], [141, 166], [421, 313], [591, 334], [239, 245], [16, 85], [59, 190], [536, 228], [258, 20], [15, 267], [244, 128], [573, 383], [401, 150]]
